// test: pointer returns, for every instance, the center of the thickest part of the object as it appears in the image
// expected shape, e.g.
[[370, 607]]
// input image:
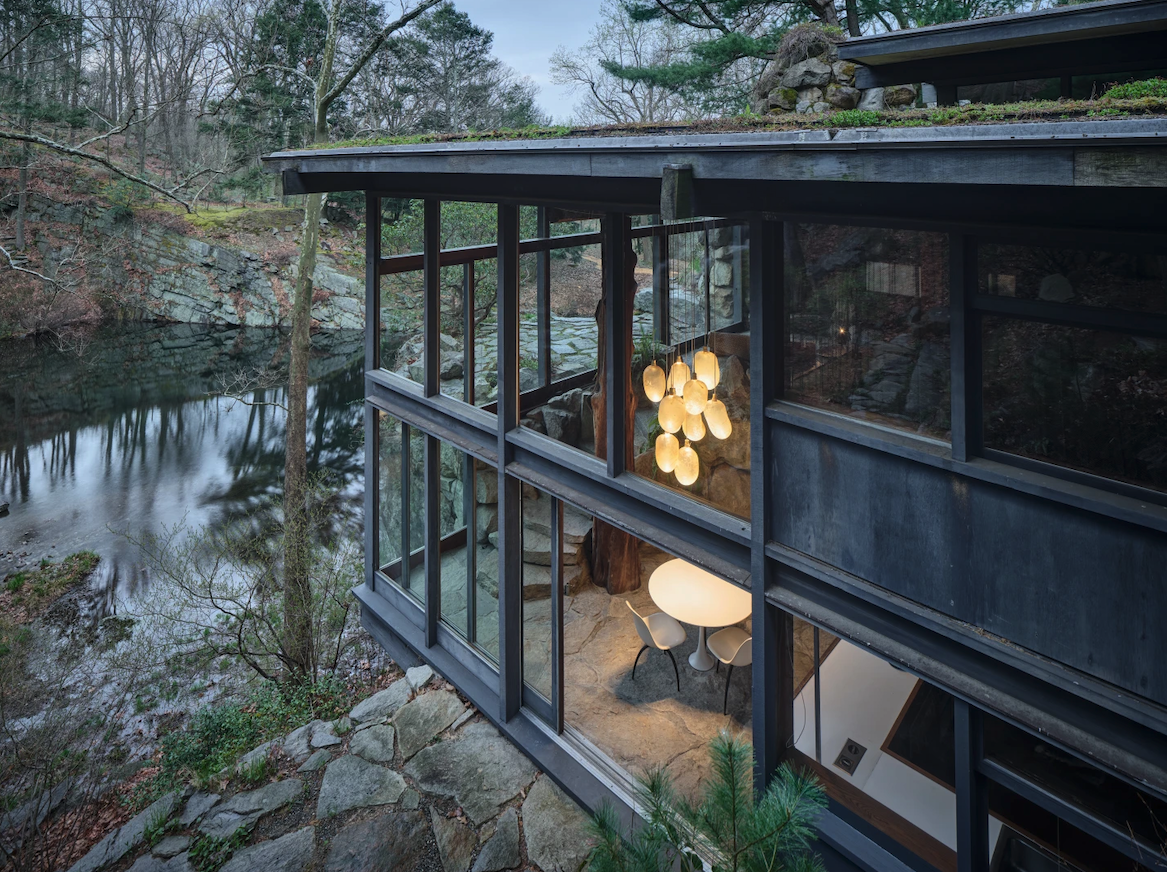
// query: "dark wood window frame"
[[741, 548]]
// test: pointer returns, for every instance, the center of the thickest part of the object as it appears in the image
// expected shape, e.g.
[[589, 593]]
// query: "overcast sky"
[[526, 32]]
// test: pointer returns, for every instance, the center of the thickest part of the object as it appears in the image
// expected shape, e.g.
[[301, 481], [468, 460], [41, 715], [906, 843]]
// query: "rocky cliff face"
[[164, 274]]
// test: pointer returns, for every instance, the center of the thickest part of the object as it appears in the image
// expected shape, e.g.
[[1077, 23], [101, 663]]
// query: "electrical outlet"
[[849, 757]]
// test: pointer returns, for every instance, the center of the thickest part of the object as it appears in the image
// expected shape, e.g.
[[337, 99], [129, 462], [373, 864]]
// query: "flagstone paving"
[[415, 779]]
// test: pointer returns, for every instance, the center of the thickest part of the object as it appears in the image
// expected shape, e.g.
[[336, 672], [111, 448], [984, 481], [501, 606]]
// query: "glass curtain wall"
[[867, 324], [401, 505], [1075, 396], [883, 742]]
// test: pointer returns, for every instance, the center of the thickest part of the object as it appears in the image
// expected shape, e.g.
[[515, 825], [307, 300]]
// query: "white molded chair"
[[732, 647], [658, 631]]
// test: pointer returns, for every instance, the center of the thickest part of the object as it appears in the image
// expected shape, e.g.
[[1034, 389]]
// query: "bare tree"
[[297, 587], [620, 40]]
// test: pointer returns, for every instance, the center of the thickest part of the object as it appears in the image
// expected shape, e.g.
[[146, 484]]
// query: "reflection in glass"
[[867, 328], [856, 717], [1020, 832], [537, 590], [401, 504], [484, 596], [1086, 399], [1077, 276], [389, 492], [452, 505]]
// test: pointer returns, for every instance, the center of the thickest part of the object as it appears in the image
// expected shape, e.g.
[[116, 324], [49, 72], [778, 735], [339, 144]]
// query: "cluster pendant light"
[[686, 404]]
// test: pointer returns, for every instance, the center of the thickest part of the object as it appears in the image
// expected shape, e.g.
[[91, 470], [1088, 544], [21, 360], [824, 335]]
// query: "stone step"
[[576, 524], [537, 548]]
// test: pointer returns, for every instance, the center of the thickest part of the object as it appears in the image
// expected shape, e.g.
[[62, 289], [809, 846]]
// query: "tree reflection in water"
[[132, 433]]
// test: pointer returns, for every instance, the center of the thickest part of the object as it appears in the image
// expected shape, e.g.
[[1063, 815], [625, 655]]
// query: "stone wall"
[[167, 275], [822, 83]]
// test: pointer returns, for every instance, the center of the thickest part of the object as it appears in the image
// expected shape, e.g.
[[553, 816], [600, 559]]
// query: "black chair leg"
[[637, 660], [725, 702], [675, 672]]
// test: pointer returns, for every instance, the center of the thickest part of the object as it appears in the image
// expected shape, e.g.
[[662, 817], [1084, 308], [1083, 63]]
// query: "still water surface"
[[128, 431]]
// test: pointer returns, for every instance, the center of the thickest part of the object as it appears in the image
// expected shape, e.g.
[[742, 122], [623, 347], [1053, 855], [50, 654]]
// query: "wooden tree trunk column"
[[615, 554]]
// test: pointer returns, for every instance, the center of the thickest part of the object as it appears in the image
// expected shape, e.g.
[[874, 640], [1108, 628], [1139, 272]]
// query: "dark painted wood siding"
[[1070, 584]]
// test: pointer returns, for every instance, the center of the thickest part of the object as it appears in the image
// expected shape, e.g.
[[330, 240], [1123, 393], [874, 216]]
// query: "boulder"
[[420, 721], [350, 782], [872, 100], [478, 768], [501, 850], [318, 760], [126, 837], [1055, 288], [384, 703], [393, 841], [783, 98], [843, 72], [556, 829], [843, 96], [808, 73], [297, 744], [899, 95], [419, 676], [290, 853], [374, 744], [456, 842], [562, 425]]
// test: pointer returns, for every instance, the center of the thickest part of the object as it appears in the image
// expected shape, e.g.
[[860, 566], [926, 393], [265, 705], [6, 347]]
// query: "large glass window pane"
[[467, 360], [1129, 810], [402, 297], [415, 577], [1086, 399], [698, 445], [628, 702], [867, 324], [1079, 276], [1023, 837], [452, 507], [401, 504], [537, 590], [880, 740], [484, 602], [389, 490], [562, 407]]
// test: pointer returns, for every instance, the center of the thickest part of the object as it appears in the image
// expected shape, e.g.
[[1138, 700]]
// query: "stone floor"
[[643, 722], [412, 779]]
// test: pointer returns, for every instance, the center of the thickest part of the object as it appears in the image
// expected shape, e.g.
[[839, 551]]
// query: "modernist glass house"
[[878, 417]]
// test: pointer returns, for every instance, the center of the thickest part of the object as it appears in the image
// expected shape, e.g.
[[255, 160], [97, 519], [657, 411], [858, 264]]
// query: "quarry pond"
[[132, 428]]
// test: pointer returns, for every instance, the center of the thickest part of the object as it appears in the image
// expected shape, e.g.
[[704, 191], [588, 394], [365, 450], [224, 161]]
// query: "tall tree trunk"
[[852, 17], [298, 644], [615, 554]]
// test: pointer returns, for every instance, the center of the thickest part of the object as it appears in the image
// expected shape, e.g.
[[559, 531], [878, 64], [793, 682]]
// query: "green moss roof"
[[1106, 108]]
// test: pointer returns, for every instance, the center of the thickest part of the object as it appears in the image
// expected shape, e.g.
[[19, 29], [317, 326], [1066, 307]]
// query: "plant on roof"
[[1138, 90], [726, 826]]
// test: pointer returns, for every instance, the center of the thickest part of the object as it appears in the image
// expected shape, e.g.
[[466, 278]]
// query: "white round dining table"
[[694, 596]]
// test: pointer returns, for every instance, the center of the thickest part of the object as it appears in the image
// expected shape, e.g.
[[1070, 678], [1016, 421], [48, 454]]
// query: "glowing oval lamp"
[[696, 395], [654, 382], [671, 414], [694, 428], [706, 368], [667, 450], [717, 418], [687, 465], [678, 375]]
